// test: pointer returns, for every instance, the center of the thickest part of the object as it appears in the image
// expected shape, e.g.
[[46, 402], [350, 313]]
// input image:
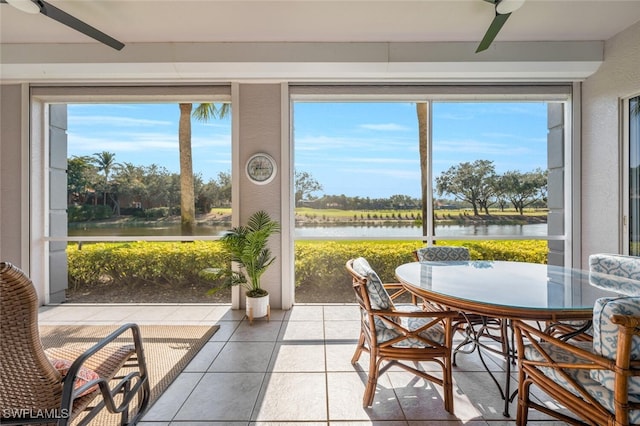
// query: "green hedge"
[[131, 263], [318, 263]]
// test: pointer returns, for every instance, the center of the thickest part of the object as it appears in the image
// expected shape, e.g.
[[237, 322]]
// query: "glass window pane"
[[124, 169], [490, 168]]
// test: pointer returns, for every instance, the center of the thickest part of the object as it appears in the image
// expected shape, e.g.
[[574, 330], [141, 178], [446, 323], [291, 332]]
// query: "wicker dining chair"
[[32, 390], [597, 382], [597, 376], [472, 326], [394, 336]]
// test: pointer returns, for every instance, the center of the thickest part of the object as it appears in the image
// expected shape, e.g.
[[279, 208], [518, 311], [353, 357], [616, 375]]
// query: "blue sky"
[[351, 148]]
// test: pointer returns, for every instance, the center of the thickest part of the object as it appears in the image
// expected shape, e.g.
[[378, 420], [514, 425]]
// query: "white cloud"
[[114, 121], [388, 127]]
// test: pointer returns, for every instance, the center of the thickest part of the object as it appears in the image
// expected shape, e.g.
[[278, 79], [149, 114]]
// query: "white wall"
[[617, 77]]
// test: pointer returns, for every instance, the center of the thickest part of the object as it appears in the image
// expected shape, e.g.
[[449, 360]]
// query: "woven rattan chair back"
[[27, 378]]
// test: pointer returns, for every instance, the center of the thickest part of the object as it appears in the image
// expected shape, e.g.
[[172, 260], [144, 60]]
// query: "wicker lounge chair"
[[107, 375], [392, 335]]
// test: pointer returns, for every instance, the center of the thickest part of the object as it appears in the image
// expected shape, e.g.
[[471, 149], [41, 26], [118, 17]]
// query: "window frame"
[[625, 141]]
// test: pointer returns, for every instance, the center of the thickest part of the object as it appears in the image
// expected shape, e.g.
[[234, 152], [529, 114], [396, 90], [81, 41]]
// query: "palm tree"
[[421, 110], [105, 161], [204, 112]]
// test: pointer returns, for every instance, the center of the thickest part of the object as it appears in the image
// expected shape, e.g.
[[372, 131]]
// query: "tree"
[[523, 189], [305, 185], [130, 181], [469, 182], [204, 112], [80, 174], [105, 161], [401, 202]]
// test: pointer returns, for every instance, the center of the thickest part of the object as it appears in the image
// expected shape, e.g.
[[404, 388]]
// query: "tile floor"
[[295, 369]]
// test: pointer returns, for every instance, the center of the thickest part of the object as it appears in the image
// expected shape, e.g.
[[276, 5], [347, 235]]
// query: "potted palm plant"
[[248, 258]]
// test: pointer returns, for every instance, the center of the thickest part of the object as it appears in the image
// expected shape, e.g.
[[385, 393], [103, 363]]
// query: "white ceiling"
[[144, 21], [394, 40]]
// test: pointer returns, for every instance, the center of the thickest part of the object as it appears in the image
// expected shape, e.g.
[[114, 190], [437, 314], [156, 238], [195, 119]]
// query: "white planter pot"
[[258, 307]]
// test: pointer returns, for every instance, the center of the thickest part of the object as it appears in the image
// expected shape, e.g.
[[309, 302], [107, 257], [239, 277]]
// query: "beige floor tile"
[[224, 313], [423, 400], [260, 331], [345, 398], [298, 357], [484, 394], [371, 423], [222, 397], [167, 406], [305, 313], [342, 330], [302, 330], [288, 423], [158, 314], [341, 312], [226, 330], [292, 397], [202, 361], [339, 358], [243, 357], [73, 313]]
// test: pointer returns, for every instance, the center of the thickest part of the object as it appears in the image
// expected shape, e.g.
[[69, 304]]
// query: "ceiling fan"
[[504, 8], [47, 9]]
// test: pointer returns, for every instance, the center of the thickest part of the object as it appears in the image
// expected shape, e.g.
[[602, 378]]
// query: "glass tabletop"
[[514, 287]]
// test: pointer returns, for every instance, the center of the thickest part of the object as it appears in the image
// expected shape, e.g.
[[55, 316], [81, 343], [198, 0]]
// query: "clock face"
[[261, 168]]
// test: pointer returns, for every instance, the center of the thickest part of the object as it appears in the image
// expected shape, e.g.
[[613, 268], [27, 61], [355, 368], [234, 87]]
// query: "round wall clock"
[[261, 168]]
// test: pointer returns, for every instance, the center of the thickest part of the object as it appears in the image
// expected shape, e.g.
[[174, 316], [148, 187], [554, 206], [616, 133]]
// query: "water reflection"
[[387, 230]]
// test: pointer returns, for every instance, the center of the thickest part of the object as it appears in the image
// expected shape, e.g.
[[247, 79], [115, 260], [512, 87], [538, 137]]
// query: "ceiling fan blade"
[[63, 17], [493, 31]]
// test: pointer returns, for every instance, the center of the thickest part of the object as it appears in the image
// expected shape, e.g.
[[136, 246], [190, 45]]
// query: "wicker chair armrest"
[[139, 378], [626, 321], [414, 314], [393, 286], [526, 333]]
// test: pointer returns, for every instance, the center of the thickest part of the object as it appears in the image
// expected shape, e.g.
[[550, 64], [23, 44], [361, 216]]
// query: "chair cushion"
[[601, 393], [443, 254], [618, 266], [384, 332], [615, 264], [605, 336], [378, 295], [85, 375]]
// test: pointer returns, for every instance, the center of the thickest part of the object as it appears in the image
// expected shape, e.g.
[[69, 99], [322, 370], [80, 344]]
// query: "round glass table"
[[512, 289]]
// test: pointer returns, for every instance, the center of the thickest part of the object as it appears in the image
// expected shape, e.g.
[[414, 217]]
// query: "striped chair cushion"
[[605, 336], [601, 393]]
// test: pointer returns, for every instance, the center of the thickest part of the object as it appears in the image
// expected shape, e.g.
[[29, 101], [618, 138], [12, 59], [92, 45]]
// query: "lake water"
[[528, 230]]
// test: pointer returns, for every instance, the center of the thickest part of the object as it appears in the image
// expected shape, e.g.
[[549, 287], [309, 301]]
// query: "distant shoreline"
[[218, 219]]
